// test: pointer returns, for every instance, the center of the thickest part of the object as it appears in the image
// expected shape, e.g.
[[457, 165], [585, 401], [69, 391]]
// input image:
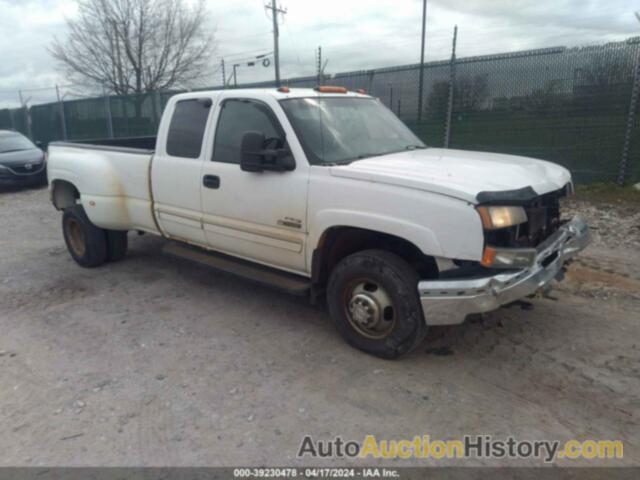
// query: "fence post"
[[62, 117], [452, 82], [370, 89], [635, 92], [26, 115], [154, 108], [107, 109], [421, 79]]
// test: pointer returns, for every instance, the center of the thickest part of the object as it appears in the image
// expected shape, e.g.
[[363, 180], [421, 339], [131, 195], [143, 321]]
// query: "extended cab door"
[[260, 216], [176, 169]]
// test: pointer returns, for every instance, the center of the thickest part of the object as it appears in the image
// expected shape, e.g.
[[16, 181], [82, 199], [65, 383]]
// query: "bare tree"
[[136, 46]]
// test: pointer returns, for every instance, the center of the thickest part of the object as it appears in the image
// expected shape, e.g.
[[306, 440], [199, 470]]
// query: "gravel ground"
[[154, 361]]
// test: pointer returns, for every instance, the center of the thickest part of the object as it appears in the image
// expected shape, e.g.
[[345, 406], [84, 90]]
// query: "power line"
[[248, 57], [245, 52], [241, 37]]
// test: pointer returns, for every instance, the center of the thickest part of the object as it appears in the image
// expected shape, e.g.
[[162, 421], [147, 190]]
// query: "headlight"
[[501, 217]]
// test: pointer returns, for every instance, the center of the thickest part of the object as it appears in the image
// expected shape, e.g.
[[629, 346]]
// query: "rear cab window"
[[187, 128]]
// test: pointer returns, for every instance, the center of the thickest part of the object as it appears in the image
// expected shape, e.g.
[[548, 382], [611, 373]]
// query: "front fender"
[[420, 235]]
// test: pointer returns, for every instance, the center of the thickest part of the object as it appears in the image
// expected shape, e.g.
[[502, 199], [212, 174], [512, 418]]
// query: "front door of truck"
[[260, 216]]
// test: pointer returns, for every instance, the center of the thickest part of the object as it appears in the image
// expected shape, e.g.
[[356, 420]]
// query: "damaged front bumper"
[[448, 302]]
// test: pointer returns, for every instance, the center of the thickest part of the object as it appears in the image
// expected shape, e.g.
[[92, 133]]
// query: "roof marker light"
[[284, 90], [329, 89]]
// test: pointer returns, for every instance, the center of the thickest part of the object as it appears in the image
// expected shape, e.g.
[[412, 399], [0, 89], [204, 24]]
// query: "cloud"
[[27, 28], [354, 34]]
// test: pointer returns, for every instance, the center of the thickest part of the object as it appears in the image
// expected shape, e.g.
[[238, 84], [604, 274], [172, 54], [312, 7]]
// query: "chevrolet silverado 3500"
[[325, 193]]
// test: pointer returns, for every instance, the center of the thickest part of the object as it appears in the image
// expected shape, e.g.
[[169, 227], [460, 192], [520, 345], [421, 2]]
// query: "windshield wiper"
[[368, 155]]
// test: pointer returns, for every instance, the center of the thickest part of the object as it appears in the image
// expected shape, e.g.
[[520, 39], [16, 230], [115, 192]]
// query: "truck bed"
[[113, 177], [131, 144]]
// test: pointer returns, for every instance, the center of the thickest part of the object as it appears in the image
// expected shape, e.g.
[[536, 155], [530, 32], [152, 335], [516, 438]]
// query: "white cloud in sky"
[[354, 34]]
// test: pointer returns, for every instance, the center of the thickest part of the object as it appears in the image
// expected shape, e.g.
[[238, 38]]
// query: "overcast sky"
[[354, 34]]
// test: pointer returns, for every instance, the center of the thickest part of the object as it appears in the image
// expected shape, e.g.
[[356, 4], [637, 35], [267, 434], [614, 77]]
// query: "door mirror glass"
[[251, 152], [259, 153]]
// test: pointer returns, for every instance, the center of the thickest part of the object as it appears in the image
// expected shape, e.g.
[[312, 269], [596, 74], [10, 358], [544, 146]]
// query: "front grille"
[[543, 219], [22, 170]]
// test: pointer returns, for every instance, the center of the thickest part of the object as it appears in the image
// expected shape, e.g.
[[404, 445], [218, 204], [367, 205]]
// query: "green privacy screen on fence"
[[567, 105]]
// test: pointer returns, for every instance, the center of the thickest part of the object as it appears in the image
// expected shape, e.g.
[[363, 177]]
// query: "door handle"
[[211, 181]]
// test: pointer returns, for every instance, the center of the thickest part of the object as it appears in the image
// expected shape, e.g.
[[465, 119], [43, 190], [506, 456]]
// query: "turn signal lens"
[[501, 217], [328, 89], [508, 257], [487, 256]]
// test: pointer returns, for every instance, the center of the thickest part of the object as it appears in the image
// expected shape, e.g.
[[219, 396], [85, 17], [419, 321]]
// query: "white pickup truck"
[[325, 193]]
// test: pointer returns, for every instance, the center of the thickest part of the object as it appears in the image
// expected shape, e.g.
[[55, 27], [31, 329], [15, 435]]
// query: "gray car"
[[21, 162]]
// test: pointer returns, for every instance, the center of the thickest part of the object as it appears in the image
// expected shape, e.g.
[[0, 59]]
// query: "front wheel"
[[373, 299]]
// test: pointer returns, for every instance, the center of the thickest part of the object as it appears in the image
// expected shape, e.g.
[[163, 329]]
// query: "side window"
[[236, 118], [187, 126]]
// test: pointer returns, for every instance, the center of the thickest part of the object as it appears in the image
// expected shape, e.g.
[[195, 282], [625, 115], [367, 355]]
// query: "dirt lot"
[[154, 361]]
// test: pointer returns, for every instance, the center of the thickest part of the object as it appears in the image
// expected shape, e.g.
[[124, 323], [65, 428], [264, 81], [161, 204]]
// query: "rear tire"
[[117, 245], [86, 243], [373, 299]]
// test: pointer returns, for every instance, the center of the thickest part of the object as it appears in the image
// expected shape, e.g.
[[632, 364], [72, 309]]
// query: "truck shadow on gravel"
[[147, 259], [12, 189], [512, 328]]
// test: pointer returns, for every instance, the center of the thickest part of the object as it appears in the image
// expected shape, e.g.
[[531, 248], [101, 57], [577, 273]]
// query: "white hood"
[[458, 173]]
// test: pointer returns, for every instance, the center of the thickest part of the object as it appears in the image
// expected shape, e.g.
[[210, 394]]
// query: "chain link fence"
[[574, 106]]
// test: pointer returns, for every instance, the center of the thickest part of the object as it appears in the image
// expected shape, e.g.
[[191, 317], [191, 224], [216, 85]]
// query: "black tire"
[[86, 243], [405, 326], [117, 245]]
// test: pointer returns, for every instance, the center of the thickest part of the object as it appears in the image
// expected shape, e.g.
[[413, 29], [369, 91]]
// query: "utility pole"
[[224, 77], [421, 80], [273, 6]]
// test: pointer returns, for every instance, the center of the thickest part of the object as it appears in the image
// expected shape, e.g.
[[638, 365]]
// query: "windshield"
[[340, 130], [14, 142]]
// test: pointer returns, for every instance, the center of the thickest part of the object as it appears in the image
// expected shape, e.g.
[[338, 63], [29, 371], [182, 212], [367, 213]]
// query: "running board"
[[287, 282]]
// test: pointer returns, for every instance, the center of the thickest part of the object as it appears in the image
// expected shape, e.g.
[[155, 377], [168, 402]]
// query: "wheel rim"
[[369, 308], [76, 237]]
